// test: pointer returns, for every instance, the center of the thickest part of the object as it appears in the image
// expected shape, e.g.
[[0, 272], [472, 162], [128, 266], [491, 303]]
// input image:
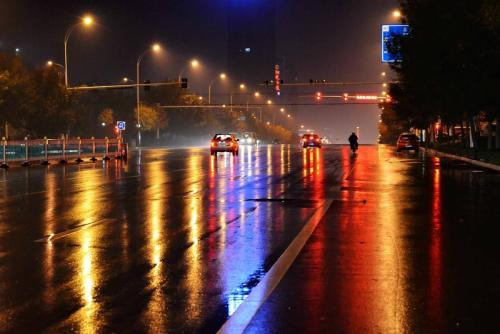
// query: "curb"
[[464, 159]]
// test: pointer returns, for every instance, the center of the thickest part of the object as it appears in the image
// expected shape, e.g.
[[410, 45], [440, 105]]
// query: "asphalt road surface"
[[175, 240]]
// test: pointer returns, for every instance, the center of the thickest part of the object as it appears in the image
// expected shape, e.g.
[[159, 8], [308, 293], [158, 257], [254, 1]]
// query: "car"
[[224, 142], [276, 141], [407, 141], [248, 138], [311, 140]]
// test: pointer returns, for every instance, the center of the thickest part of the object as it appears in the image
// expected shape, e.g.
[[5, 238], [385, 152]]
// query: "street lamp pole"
[[155, 48], [86, 21], [221, 76]]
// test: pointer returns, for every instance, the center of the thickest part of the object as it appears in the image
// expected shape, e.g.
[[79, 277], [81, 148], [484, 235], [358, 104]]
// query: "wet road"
[[174, 241]]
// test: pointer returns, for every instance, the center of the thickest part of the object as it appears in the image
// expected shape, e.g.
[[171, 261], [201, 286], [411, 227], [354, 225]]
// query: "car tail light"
[[317, 139], [213, 143], [311, 138]]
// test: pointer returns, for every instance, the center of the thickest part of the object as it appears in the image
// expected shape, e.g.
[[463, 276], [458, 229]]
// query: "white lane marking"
[[60, 235], [239, 321]]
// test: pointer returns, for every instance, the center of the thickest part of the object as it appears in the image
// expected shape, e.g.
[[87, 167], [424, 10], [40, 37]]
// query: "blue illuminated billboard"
[[388, 33]]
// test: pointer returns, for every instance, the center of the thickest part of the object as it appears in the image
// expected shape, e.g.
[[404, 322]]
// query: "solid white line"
[[239, 321]]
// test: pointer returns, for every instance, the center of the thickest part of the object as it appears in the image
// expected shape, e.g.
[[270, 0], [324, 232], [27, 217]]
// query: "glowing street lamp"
[[193, 63], [282, 110], [51, 63], [256, 94], [86, 21], [221, 76], [269, 102], [396, 13], [154, 48]]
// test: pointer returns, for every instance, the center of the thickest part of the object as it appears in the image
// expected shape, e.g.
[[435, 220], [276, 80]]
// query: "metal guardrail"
[[29, 151]]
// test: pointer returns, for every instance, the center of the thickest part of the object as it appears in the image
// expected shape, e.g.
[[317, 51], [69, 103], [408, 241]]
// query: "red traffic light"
[[319, 96]]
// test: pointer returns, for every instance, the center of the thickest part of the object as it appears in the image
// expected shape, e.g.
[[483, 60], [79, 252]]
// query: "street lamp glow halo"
[[156, 47], [88, 20]]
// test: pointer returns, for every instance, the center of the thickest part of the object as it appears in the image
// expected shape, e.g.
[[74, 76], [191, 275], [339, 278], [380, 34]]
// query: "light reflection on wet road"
[[174, 240]]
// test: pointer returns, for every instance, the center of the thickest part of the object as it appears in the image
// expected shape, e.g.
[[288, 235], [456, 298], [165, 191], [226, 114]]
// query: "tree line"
[[34, 102], [449, 77]]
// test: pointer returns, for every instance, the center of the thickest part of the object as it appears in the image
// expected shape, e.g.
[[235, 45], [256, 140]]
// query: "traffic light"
[[184, 83], [319, 96]]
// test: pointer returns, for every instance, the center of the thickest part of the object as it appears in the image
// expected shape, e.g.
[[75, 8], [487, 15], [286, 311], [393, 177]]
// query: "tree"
[[106, 116]]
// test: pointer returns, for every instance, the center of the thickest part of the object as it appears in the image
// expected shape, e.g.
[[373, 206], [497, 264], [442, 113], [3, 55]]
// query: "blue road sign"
[[388, 33], [121, 125]]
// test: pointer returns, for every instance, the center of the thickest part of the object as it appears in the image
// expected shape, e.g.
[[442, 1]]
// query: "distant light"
[[383, 74], [268, 123], [269, 102], [248, 50], [366, 97], [200, 98], [18, 50], [289, 116], [50, 63], [396, 14], [384, 84], [282, 109], [103, 124], [223, 106], [125, 79], [257, 94], [195, 63], [223, 76], [242, 86], [156, 47]]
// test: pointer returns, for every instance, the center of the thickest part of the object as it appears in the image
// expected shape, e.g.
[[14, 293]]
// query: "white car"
[[248, 138]]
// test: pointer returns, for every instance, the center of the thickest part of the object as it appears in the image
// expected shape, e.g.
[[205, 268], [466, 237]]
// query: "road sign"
[[388, 33], [121, 125]]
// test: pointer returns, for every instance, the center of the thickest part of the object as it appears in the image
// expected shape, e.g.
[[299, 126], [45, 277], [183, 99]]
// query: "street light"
[[51, 63], [269, 102], [155, 48], [242, 87], [194, 63], [396, 13], [256, 94], [221, 76], [86, 21], [282, 109]]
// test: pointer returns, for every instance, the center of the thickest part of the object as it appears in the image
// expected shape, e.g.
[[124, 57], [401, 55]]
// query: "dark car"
[[311, 140], [224, 142], [407, 141]]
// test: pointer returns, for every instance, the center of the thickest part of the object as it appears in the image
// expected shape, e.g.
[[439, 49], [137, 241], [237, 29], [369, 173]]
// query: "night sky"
[[336, 40]]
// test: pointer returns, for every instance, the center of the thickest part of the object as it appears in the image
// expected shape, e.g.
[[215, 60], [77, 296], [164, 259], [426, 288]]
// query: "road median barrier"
[[46, 151]]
